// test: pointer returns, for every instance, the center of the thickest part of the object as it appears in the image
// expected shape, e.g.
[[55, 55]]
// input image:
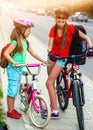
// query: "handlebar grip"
[[34, 65], [90, 51]]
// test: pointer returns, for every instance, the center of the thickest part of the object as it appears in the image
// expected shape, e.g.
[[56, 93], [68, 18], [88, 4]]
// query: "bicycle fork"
[[80, 92]]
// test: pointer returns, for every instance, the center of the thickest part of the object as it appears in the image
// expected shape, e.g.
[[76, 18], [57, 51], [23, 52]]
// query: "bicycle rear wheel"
[[35, 116], [62, 92], [76, 100]]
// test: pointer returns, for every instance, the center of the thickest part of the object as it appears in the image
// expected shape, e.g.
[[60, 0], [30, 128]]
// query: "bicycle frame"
[[31, 98], [66, 74], [72, 73], [70, 85], [72, 89], [31, 88]]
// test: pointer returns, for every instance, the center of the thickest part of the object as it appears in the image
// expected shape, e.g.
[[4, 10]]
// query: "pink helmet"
[[24, 22]]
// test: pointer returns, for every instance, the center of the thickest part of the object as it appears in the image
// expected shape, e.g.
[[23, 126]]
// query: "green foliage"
[[1, 110], [1, 93]]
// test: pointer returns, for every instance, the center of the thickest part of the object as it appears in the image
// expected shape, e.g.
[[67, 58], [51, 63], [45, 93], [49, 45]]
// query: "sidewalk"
[[68, 119]]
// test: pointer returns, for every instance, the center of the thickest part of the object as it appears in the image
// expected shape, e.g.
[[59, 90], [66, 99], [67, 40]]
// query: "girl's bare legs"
[[10, 103], [12, 113], [53, 72]]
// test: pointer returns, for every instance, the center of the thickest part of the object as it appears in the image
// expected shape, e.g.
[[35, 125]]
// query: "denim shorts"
[[59, 62], [14, 79]]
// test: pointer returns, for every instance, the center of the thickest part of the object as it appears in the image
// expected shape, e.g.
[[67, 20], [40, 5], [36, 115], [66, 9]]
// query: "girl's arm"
[[87, 38], [50, 44], [35, 55]]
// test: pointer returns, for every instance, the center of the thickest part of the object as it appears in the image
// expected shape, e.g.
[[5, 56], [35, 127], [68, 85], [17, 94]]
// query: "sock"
[[55, 111]]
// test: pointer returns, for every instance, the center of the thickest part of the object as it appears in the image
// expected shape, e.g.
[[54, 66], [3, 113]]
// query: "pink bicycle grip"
[[34, 65]]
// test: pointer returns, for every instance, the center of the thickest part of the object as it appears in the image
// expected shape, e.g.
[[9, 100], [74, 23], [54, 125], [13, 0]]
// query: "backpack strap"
[[76, 34], [27, 44]]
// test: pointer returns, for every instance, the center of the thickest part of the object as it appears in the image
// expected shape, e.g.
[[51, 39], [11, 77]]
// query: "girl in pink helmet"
[[22, 29], [60, 37]]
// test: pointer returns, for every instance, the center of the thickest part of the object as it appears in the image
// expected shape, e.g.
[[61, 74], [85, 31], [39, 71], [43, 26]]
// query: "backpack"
[[3, 60], [78, 45]]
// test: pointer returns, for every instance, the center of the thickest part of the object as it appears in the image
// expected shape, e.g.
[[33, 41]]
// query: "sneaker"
[[18, 113], [53, 115], [13, 114]]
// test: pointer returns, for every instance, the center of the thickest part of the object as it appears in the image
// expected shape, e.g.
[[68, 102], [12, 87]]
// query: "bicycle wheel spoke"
[[36, 115], [24, 102], [62, 92]]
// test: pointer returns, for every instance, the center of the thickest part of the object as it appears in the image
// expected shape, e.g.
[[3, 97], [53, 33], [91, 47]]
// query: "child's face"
[[61, 22], [27, 32]]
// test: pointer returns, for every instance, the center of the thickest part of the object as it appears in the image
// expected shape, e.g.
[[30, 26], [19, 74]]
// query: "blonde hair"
[[17, 33]]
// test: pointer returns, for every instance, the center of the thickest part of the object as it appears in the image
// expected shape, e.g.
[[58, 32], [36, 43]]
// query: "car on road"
[[40, 11], [80, 16]]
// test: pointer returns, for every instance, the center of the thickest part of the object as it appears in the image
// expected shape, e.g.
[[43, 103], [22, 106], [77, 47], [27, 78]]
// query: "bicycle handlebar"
[[72, 57], [57, 57], [31, 65]]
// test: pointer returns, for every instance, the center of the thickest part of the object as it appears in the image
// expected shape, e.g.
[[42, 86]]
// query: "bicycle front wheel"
[[62, 92], [79, 108], [36, 116], [23, 99]]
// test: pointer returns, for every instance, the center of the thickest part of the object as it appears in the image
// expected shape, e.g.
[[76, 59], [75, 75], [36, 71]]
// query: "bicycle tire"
[[36, 117], [21, 88], [79, 107], [62, 92], [23, 99]]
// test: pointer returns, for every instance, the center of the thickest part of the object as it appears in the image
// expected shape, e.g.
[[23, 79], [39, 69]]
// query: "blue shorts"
[[14, 79], [59, 62]]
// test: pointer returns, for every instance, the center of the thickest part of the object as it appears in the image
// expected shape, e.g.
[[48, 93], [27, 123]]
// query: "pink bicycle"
[[34, 100]]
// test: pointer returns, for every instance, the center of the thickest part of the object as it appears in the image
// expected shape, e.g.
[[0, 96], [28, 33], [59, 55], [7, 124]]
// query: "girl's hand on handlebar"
[[46, 63], [15, 64]]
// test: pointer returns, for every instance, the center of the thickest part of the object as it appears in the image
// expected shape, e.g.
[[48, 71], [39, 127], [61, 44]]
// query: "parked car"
[[80, 16], [33, 10], [41, 11]]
